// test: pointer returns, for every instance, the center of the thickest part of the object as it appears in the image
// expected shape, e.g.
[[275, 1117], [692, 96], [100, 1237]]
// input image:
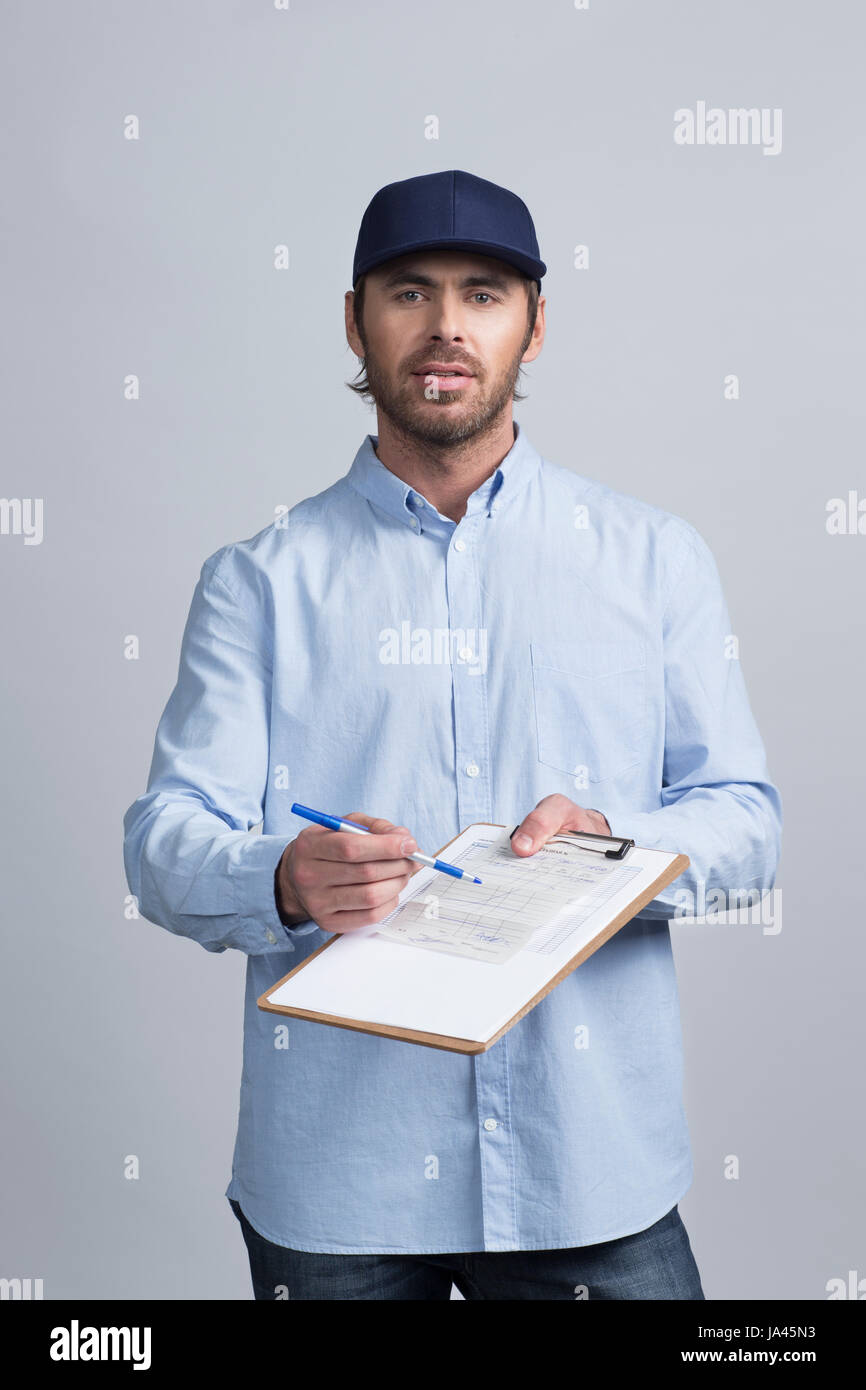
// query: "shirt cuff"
[[253, 887], [644, 827]]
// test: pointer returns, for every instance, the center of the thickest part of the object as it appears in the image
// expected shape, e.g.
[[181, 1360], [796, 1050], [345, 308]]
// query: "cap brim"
[[529, 266]]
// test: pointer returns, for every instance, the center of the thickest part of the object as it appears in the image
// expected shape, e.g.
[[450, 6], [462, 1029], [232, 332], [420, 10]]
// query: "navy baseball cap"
[[451, 210]]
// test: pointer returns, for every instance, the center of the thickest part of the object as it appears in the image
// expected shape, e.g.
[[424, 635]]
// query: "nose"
[[446, 321]]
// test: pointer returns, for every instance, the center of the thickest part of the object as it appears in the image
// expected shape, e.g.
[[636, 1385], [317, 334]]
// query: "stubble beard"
[[430, 422]]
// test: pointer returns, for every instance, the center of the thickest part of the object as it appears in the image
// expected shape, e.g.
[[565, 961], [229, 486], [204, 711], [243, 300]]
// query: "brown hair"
[[361, 386]]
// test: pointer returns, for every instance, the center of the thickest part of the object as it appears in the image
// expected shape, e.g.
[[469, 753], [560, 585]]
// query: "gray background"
[[155, 257]]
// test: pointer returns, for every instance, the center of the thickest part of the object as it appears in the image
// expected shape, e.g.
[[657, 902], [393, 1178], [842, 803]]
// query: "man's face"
[[452, 308]]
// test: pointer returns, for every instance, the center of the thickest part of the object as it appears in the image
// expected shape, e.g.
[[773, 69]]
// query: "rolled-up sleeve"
[[190, 860], [718, 804]]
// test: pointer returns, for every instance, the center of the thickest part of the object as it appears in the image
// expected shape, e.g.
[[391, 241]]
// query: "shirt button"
[[472, 770], [489, 1124], [270, 936], [459, 545], [465, 653]]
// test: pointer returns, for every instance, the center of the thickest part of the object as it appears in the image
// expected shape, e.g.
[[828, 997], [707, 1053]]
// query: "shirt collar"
[[369, 476]]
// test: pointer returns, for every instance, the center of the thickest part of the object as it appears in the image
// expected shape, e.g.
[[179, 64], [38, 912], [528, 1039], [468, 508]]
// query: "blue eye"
[[483, 294]]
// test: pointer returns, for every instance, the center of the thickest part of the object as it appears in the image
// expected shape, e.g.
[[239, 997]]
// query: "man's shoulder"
[[253, 560], [610, 509]]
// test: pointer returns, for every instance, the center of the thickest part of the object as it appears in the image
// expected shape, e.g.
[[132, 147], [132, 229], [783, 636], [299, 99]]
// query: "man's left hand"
[[553, 814]]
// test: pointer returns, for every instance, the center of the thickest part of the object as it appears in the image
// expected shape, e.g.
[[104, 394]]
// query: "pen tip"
[[477, 880]]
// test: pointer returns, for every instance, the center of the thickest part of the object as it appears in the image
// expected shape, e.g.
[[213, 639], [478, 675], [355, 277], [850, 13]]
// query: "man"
[[589, 666]]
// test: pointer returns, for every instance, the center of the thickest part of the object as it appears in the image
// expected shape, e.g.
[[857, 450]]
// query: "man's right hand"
[[344, 881]]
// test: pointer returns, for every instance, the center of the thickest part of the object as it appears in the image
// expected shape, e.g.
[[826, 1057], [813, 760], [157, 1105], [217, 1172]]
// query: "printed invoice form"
[[519, 896]]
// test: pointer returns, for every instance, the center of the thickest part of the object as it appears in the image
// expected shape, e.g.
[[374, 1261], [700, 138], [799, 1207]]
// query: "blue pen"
[[335, 823]]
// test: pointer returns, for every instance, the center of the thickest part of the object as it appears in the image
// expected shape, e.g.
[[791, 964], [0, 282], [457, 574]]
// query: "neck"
[[446, 474]]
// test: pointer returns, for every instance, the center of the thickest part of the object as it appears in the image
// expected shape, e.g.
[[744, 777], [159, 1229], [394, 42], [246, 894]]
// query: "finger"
[[550, 816], [317, 834], [378, 897], [378, 825], [321, 872], [344, 846], [347, 922]]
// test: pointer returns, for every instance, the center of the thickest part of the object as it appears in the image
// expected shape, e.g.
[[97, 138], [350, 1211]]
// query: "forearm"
[[190, 858], [199, 878], [731, 834]]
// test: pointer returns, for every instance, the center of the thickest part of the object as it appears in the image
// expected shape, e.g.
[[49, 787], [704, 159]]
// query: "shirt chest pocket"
[[590, 706]]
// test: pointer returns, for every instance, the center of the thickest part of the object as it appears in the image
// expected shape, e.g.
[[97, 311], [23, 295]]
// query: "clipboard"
[[397, 976], [611, 846]]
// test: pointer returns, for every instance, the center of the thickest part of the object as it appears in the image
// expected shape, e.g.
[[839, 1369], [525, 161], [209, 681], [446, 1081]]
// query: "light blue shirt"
[[586, 651]]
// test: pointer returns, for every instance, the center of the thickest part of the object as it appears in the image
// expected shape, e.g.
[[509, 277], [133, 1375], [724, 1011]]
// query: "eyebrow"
[[410, 276]]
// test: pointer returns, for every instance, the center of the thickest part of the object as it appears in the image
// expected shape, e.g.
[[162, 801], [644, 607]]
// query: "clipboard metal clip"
[[611, 846]]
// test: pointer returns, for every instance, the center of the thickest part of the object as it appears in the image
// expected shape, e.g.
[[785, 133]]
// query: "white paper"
[[493, 920], [367, 977]]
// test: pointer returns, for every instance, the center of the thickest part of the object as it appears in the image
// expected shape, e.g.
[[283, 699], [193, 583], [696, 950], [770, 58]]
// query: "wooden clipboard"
[[466, 1045]]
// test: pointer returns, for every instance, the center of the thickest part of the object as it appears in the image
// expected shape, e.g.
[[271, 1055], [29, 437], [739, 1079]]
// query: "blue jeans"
[[655, 1263]]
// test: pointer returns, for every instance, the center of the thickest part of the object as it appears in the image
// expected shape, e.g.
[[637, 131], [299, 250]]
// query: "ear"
[[352, 336]]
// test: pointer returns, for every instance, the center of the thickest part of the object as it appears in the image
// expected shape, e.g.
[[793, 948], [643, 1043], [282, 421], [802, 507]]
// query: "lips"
[[442, 371], [449, 376], [445, 385]]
